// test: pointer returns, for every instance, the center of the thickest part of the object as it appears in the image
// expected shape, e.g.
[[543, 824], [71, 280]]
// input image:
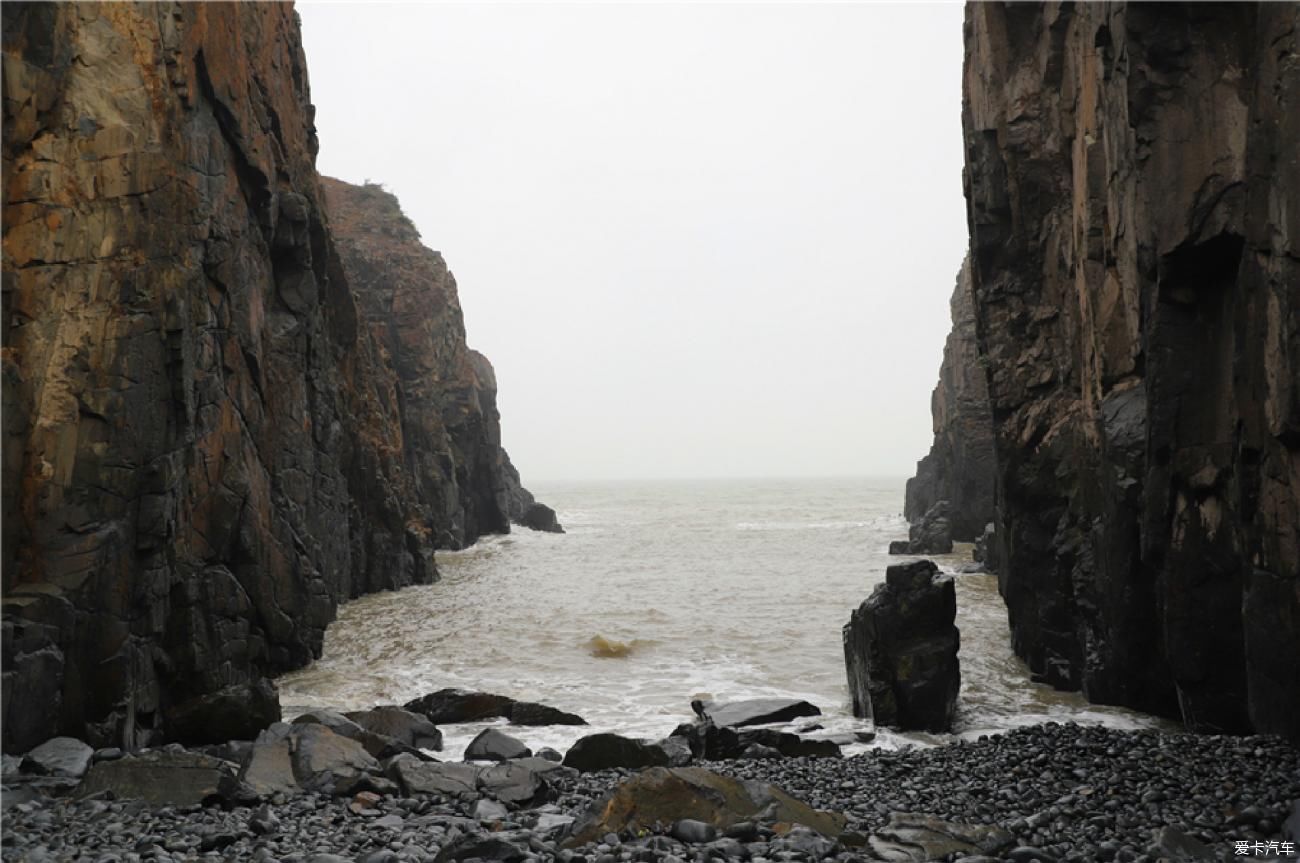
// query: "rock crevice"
[[203, 449]]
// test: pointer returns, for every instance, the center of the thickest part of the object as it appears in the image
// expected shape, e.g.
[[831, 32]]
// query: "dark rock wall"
[[203, 445], [959, 467], [1133, 184]]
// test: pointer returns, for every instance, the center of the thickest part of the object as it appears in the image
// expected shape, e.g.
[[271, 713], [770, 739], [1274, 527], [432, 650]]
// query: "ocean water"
[[661, 592]]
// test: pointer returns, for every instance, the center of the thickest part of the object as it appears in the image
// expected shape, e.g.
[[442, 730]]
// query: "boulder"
[[788, 745], [447, 706], [268, 766], [900, 650], [404, 726], [324, 761], [414, 776], [514, 781], [668, 795], [494, 745], [63, 757], [238, 712], [758, 711], [539, 516], [900, 546], [496, 847], [909, 837], [531, 713], [378, 745], [162, 778], [933, 533], [605, 750]]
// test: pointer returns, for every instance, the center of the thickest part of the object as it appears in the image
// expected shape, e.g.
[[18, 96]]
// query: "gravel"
[[1066, 793]]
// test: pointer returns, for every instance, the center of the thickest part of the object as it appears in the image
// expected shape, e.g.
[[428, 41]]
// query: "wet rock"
[[493, 745], [932, 532], [900, 546], [529, 713], [504, 847], [65, 757], [238, 712], [423, 777], [405, 726], [451, 706], [323, 760], [539, 516], [668, 795], [605, 750], [166, 779], [758, 711], [549, 754], [961, 464], [900, 650], [923, 837]]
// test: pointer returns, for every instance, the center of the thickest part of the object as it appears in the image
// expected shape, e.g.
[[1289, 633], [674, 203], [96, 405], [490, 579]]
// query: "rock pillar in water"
[[900, 650]]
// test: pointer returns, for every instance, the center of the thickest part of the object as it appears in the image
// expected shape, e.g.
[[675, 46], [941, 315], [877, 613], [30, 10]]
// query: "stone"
[[268, 766], [677, 749], [488, 810], [503, 847], [451, 706], [900, 546], [64, 757], [932, 532], [605, 750], [758, 711], [493, 745], [900, 650], [669, 795], [553, 824], [238, 712], [423, 777], [539, 516], [165, 779], [515, 781], [1176, 846], [378, 745], [529, 713], [913, 837], [693, 832], [323, 760], [405, 726], [549, 754]]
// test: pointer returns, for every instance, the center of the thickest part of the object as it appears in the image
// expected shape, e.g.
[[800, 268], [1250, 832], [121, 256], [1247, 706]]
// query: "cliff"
[[1133, 186], [206, 447], [959, 467]]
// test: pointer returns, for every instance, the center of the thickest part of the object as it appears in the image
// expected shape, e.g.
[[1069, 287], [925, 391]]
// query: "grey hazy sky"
[[694, 240]]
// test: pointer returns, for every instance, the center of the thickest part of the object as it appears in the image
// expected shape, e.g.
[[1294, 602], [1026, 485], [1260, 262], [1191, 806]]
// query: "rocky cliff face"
[[959, 467], [205, 445], [1134, 200]]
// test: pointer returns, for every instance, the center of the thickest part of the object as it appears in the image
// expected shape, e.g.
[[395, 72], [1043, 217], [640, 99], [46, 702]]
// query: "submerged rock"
[[459, 705], [900, 650]]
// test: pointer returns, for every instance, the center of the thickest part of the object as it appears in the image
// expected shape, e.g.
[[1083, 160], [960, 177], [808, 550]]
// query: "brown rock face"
[[959, 467], [204, 448], [449, 424], [1134, 202]]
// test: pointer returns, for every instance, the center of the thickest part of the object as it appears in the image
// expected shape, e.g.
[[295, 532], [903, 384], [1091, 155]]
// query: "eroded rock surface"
[[1134, 205], [959, 467], [204, 447]]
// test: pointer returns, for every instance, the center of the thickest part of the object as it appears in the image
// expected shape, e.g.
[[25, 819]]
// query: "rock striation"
[[1133, 189], [207, 441], [900, 650], [959, 468]]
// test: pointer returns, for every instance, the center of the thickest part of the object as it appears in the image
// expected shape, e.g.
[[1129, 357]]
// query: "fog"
[[694, 240]]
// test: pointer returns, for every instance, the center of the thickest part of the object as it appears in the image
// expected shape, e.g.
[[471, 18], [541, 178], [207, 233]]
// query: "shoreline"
[[1071, 792]]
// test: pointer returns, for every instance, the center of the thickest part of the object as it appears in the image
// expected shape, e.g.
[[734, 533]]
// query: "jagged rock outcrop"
[[204, 446], [960, 465], [1134, 203], [900, 650], [450, 426]]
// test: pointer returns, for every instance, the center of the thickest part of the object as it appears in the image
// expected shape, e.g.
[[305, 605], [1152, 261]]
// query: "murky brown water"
[[661, 592]]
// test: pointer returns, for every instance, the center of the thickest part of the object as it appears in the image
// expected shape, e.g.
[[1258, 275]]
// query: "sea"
[[660, 592]]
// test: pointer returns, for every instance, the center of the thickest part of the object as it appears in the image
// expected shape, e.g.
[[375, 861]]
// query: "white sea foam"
[[734, 590]]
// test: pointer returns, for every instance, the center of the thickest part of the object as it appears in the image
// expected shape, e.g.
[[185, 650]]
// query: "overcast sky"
[[695, 240]]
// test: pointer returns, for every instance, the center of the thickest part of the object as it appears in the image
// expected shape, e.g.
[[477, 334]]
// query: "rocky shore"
[[1047, 792]]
